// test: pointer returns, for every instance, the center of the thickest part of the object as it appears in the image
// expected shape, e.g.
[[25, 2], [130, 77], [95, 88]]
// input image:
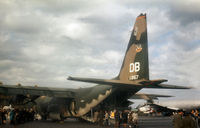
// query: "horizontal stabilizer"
[[153, 82], [102, 81], [148, 96], [134, 84], [167, 86]]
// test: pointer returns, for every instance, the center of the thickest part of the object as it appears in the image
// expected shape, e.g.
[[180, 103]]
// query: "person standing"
[[13, 117], [198, 122], [106, 118], [196, 115], [1, 120], [135, 119], [130, 119], [124, 118], [101, 117], [4, 113], [117, 118], [177, 120], [188, 121], [96, 114]]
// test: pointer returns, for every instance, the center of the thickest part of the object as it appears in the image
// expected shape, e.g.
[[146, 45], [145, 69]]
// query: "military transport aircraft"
[[168, 107], [56, 103]]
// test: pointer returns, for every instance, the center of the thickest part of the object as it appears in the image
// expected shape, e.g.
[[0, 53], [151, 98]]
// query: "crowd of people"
[[16, 116], [123, 118], [127, 118], [186, 119]]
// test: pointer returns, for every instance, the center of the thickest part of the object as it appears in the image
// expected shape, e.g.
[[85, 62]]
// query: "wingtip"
[[186, 88], [191, 88], [69, 78]]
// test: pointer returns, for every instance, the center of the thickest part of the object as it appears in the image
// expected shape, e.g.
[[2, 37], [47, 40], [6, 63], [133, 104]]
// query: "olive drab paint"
[[58, 103], [135, 64]]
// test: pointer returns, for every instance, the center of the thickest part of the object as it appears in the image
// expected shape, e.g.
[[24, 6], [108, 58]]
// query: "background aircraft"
[[57, 103], [168, 107]]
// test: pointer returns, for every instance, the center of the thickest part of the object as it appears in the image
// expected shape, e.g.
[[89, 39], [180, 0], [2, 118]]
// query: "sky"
[[44, 42]]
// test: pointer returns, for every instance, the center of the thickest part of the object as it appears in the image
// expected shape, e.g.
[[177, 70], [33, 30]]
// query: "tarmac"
[[144, 122], [155, 122]]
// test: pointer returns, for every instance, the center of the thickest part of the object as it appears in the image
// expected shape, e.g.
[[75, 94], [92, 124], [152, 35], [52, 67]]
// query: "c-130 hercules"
[[58, 104]]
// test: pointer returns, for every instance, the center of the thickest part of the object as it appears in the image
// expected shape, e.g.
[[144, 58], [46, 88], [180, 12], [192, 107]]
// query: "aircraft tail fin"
[[135, 68], [135, 64]]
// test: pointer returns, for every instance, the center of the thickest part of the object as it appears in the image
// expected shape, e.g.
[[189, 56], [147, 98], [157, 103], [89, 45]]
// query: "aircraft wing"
[[140, 84], [36, 91]]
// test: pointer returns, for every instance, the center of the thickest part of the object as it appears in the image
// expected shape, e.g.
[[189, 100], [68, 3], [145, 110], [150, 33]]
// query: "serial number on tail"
[[134, 77]]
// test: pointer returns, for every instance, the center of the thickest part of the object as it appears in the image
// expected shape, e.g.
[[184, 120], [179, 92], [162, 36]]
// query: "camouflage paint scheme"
[[57, 103]]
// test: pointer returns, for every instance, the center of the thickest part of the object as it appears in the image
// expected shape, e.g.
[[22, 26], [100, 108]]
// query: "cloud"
[[43, 42], [185, 12]]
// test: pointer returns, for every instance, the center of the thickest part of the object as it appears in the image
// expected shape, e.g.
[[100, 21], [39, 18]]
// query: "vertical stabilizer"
[[135, 64]]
